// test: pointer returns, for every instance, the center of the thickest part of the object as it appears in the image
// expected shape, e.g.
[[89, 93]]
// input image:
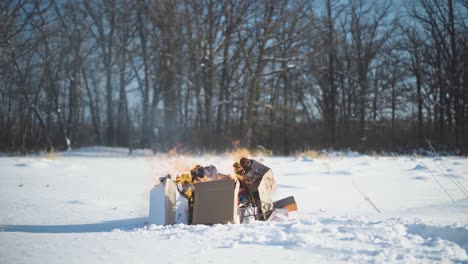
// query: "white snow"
[[91, 206]]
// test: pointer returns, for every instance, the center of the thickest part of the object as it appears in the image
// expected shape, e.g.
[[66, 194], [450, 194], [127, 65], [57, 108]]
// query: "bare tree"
[[369, 33], [103, 27], [278, 74]]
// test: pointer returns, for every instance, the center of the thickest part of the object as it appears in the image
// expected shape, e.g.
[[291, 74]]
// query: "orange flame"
[[240, 153], [173, 151]]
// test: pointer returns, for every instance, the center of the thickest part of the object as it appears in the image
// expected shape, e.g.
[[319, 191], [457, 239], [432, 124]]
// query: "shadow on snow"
[[106, 226]]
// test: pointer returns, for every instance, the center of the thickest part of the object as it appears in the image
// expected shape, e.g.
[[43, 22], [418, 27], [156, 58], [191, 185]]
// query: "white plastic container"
[[167, 206]]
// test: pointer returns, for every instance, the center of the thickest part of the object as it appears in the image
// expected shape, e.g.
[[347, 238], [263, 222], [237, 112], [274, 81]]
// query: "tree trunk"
[[454, 76], [109, 90], [146, 120], [223, 87], [420, 107], [441, 104], [392, 132], [331, 76], [92, 110], [73, 91], [123, 123]]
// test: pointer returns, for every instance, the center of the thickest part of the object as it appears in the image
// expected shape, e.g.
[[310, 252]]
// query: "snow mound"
[[365, 163], [305, 159], [34, 164], [341, 172], [421, 178], [419, 167], [337, 238], [457, 235]]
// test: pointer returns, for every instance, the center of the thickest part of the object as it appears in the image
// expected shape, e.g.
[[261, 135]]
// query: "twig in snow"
[[441, 186], [455, 180], [366, 198], [450, 176]]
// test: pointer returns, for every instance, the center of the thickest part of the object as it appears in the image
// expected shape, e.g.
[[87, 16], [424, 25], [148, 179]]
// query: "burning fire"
[[240, 153], [187, 181], [173, 151], [198, 174]]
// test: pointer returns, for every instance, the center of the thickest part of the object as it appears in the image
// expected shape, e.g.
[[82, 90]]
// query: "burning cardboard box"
[[261, 185], [216, 202], [212, 198]]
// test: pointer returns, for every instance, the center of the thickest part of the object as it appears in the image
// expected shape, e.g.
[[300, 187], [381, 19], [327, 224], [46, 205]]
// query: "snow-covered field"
[[91, 205]]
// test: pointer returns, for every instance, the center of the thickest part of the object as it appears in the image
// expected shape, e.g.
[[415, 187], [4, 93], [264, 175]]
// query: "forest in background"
[[280, 75]]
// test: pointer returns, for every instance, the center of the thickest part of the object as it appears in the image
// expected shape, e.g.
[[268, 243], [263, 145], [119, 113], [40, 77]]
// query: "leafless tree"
[[276, 74]]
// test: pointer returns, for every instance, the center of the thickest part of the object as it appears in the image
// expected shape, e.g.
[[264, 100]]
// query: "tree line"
[[277, 74]]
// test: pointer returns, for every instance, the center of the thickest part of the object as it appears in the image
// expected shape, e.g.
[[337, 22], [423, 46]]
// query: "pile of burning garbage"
[[205, 196]]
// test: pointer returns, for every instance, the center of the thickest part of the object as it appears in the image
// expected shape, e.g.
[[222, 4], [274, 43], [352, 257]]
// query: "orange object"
[[286, 203], [291, 207]]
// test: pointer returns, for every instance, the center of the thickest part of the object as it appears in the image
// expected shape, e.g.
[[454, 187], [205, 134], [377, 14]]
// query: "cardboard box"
[[215, 202], [167, 206], [262, 187]]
